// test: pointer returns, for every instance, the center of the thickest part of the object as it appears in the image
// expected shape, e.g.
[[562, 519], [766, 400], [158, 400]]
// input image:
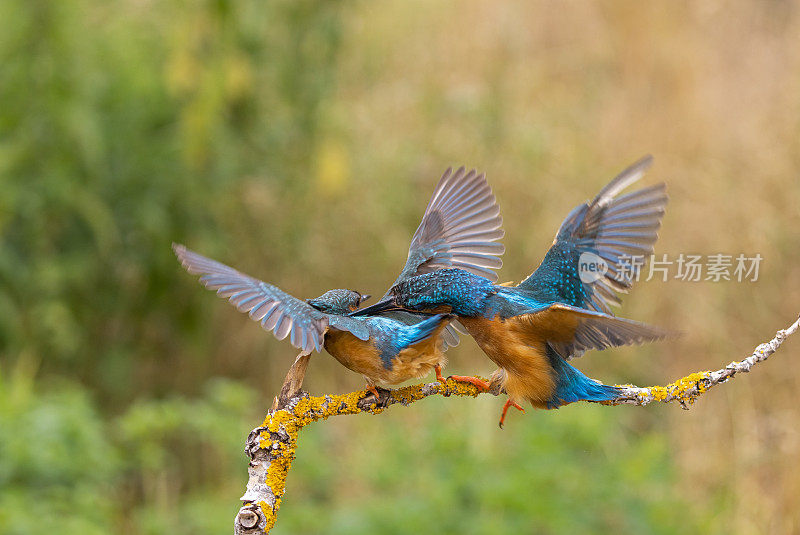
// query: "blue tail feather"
[[572, 385]]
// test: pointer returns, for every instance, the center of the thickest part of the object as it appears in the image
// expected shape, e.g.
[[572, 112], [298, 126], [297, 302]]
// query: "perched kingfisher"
[[532, 329], [460, 228]]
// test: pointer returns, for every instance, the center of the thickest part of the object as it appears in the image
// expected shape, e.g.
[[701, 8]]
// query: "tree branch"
[[271, 447]]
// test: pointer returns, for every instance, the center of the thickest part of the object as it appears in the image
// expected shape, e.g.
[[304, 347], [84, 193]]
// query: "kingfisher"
[[561, 310], [460, 228]]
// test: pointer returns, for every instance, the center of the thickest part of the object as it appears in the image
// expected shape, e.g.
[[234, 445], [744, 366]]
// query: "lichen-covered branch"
[[687, 389], [271, 447]]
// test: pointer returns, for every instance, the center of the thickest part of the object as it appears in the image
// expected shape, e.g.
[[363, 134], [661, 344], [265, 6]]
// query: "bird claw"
[[509, 403], [480, 384], [438, 370], [374, 398]]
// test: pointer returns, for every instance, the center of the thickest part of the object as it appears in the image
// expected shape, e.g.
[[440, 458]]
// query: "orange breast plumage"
[[367, 358], [521, 354]]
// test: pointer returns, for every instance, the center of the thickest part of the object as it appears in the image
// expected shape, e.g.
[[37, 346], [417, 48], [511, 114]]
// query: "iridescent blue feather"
[[620, 231], [391, 336], [572, 385]]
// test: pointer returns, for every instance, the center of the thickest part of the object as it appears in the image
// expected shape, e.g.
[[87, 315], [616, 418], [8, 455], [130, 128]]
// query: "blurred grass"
[[299, 141]]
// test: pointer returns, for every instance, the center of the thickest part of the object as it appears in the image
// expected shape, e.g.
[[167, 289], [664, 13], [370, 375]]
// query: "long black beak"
[[381, 306]]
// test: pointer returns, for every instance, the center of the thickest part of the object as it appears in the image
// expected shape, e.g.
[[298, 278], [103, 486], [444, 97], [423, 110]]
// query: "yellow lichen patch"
[[659, 393], [269, 514], [278, 469], [465, 389], [408, 394], [345, 403], [682, 389]]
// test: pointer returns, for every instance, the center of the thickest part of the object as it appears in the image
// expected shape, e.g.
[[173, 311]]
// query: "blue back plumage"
[[391, 336], [461, 290], [466, 294]]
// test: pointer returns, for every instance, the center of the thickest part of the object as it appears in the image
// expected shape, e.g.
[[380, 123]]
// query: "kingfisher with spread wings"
[[460, 229], [560, 311]]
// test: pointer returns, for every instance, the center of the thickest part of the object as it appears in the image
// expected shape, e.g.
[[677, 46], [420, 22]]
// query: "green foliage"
[[121, 133], [57, 462], [161, 466], [576, 470]]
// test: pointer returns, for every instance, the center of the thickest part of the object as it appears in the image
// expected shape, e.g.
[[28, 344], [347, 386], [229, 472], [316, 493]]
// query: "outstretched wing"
[[273, 308], [571, 331], [460, 229], [608, 238]]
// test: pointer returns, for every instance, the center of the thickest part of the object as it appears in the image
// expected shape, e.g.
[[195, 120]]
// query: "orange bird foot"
[[509, 403], [438, 370], [374, 391], [480, 384]]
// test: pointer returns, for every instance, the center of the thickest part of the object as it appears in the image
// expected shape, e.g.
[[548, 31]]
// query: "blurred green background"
[[299, 141]]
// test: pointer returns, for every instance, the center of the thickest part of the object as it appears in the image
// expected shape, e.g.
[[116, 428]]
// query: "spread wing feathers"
[[621, 231], [460, 229], [571, 331], [274, 309]]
